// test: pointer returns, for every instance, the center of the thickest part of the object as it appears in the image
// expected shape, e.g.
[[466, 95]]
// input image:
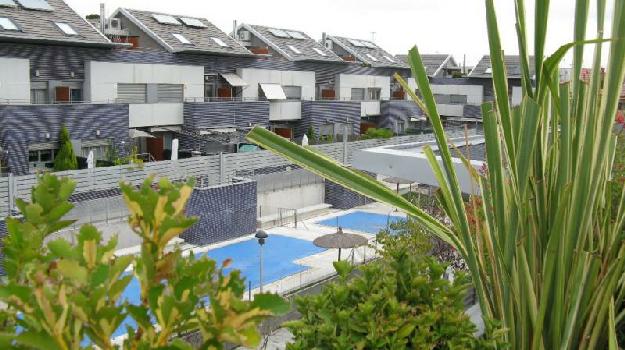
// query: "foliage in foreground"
[[401, 301], [546, 251], [65, 296], [378, 133], [65, 159]]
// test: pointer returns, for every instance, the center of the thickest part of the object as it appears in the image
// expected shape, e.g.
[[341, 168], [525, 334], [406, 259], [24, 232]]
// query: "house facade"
[[137, 80]]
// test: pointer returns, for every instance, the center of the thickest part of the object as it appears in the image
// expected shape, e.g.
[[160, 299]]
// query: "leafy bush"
[[375, 133], [65, 159], [399, 302], [64, 296]]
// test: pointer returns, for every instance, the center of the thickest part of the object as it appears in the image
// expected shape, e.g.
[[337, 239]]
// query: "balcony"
[[285, 110], [225, 113]]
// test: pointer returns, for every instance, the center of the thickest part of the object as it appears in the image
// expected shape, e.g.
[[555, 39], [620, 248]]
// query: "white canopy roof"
[[135, 134], [234, 79], [273, 91]]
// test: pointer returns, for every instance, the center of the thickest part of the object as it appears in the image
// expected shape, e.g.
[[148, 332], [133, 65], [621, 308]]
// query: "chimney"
[[102, 18], [234, 30], [324, 38]]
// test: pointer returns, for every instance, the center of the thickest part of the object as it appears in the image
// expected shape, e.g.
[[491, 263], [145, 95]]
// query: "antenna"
[[373, 36]]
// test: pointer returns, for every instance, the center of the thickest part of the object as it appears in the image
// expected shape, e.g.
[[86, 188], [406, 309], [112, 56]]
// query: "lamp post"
[[261, 236]]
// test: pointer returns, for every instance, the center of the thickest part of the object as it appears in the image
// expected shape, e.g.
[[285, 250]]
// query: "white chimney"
[[102, 18]]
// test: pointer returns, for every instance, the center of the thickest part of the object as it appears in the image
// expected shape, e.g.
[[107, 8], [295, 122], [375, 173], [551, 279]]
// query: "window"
[[100, 149], [166, 19], [371, 57], [320, 52], [66, 28], [76, 95], [35, 5], [458, 99], [182, 39], [326, 130], [401, 127], [442, 99], [210, 87], [296, 35], [358, 94], [293, 92], [219, 42], [39, 96], [193, 22], [374, 94], [279, 33], [8, 24], [170, 93], [132, 93], [41, 156], [295, 49]]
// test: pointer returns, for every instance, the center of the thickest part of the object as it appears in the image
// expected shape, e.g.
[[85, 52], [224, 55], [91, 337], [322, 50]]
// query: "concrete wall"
[[296, 197], [253, 77], [101, 79], [14, 80], [346, 82], [23, 125], [225, 212]]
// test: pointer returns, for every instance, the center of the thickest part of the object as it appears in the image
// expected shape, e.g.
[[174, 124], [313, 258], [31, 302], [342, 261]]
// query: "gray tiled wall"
[[22, 125], [225, 212], [318, 113], [396, 111]]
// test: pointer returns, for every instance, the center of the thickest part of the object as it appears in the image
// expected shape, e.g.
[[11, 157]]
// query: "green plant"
[[401, 301], [64, 296], [65, 158], [312, 135], [375, 133], [545, 256]]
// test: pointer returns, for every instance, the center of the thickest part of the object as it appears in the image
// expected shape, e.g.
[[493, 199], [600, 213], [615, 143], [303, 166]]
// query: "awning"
[[135, 134], [218, 131], [233, 79], [273, 91]]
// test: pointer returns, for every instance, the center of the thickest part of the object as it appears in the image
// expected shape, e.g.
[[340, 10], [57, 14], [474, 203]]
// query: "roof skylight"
[[8, 24], [193, 22], [319, 52], [7, 3], [66, 28], [389, 58], [489, 70], [371, 57], [368, 44], [166, 19], [355, 42], [182, 38], [279, 33], [296, 35], [219, 42], [295, 49], [35, 5]]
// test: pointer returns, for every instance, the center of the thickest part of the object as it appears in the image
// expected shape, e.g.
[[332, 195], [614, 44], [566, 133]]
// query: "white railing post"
[[11, 190]]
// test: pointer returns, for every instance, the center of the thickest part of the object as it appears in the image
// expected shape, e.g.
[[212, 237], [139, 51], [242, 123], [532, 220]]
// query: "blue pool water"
[[279, 252], [362, 221]]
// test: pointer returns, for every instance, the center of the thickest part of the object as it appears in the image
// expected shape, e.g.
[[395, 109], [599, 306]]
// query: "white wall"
[[285, 110], [253, 77], [14, 80], [346, 82], [292, 198], [517, 95], [101, 79], [368, 108], [474, 93]]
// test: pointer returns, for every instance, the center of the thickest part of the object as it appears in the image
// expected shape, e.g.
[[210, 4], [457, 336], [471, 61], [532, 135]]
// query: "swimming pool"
[[362, 221], [279, 254]]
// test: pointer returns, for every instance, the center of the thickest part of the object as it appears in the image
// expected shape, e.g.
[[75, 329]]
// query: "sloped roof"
[[200, 38], [39, 26], [513, 67], [433, 62], [370, 54], [304, 43]]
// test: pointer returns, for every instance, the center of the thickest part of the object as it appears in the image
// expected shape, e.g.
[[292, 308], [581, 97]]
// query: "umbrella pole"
[[339, 254]]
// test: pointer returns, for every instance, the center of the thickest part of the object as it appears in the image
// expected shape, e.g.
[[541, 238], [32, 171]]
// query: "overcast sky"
[[436, 26]]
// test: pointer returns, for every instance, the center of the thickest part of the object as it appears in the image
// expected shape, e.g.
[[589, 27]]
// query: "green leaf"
[[73, 271], [343, 268], [62, 249], [271, 302], [37, 340]]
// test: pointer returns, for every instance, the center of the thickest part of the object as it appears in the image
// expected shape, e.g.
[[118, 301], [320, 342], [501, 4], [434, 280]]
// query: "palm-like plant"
[[547, 259]]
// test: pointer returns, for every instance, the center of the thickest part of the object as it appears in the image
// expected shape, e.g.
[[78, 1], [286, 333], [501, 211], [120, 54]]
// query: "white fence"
[[215, 169]]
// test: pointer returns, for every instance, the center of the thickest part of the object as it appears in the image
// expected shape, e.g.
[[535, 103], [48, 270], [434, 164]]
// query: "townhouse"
[[139, 79]]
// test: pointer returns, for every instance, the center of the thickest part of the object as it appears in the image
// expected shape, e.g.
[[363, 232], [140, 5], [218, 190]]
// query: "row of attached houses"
[[145, 78]]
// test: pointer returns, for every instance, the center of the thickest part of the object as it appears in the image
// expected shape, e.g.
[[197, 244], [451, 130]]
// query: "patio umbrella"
[[174, 149], [305, 140], [90, 160], [340, 240], [398, 181]]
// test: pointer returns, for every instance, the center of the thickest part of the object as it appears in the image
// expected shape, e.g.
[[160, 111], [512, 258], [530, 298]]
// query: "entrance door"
[[62, 94], [155, 147], [287, 133]]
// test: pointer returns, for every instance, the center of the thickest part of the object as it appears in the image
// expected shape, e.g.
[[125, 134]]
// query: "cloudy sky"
[[436, 26]]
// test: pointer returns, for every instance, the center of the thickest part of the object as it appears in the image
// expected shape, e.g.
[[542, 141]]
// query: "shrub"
[[399, 302], [65, 159], [65, 296], [374, 133]]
